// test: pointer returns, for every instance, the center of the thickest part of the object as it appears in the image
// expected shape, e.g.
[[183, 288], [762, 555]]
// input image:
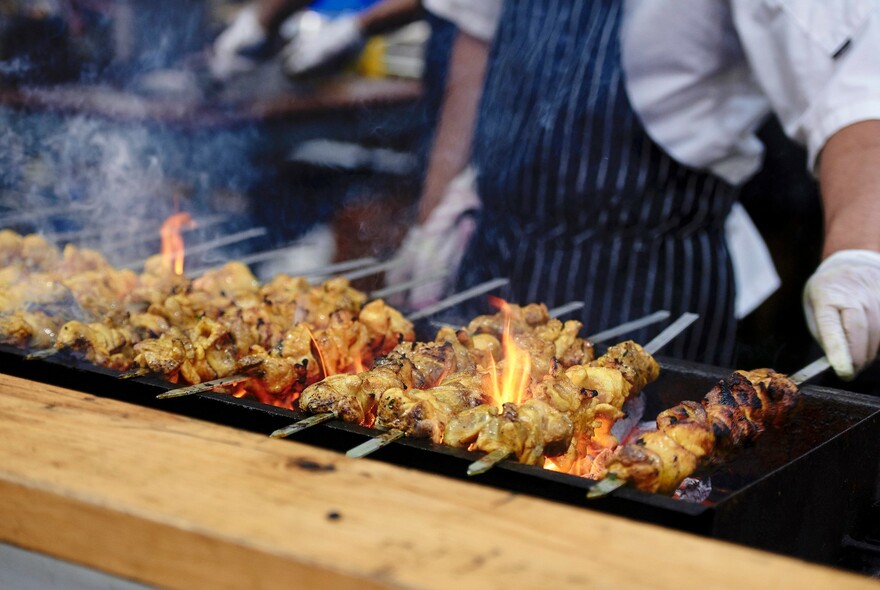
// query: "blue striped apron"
[[578, 202]]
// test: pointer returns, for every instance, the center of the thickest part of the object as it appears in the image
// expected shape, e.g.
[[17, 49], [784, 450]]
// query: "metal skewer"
[[488, 462], [138, 372], [817, 366], [671, 332], [210, 245], [662, 339], [631, 326], [42, 354], [565, 308], [303, 424], [453, 300], [605, 486], [611, 482], [406, 286], [203, 387], [374, 444]]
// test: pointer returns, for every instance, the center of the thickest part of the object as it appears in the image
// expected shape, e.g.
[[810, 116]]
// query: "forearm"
[[451, 151], [849, 178], [389, 15]]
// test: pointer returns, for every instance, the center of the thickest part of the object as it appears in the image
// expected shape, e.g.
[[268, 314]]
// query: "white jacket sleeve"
[[815, 60], [478, 18]]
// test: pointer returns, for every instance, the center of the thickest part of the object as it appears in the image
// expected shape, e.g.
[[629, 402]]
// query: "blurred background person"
[[311, 45]]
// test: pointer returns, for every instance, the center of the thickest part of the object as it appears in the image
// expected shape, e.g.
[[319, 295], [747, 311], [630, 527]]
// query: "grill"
[[807, 491], [804, 491]]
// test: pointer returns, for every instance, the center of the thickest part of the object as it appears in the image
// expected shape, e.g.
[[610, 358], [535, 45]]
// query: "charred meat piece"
[[529, 431], [731, 416], [425, 413]]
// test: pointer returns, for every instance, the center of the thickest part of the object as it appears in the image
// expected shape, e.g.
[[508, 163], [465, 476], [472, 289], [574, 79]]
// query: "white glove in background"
[[307, 52], [438, 245], [244, 35], [842, 305]]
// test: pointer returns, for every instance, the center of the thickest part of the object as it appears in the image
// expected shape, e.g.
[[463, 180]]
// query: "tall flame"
[[512, 384], [173, 251]]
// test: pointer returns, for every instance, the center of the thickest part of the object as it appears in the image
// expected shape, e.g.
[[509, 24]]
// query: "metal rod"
[[372, 270], [488, 462], [312, 272], [143, 236], [202, 387], [42, 354], [605, 486], [65, 210], [211, 244], [657, 316], [817, 366], [670, 332], [458, 298], [303, 424], [340, 267], [134, 234], [566, 308], [139, 372], [374, 444], [406, 286]]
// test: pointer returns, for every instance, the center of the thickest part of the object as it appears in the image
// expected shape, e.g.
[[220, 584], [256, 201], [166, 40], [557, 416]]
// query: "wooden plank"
[[175, 502]]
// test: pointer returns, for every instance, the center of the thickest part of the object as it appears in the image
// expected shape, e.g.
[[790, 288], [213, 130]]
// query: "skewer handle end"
[[605, 487], [488, 462]]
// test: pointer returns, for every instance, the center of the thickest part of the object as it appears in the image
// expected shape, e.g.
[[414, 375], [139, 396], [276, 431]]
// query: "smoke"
[[114, 182]]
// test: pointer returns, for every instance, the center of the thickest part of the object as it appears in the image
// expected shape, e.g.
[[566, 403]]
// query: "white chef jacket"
[[703, 74]]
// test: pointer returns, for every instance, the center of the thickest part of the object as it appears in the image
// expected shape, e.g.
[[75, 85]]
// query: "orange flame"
[[173, 251], [513, 383]]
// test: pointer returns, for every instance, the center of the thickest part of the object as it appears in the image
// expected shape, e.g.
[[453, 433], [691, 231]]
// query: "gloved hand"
[[236, 48], [339, 39], [438, 245], [842, 305]]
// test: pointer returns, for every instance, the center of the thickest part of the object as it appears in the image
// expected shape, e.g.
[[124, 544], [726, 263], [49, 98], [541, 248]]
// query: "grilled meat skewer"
[[565, 404], [732, 415]]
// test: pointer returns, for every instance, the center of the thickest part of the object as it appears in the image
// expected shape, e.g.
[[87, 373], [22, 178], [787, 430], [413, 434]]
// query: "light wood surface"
[[176, 502]]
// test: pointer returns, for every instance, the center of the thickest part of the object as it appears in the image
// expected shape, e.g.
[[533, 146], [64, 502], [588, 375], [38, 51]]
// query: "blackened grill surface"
[[801, 490]]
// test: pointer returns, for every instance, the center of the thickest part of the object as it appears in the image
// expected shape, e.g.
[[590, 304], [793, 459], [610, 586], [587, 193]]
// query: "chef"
[[610, 138]]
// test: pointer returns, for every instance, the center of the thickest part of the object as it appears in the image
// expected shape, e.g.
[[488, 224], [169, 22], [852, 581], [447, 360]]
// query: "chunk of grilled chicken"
[[732, 415], [29, 329], [202, 353], [100, 344], [425, 413], [350, 397], [633, 362], [532, 329], [529, 431], [425, 364], [411, 365]]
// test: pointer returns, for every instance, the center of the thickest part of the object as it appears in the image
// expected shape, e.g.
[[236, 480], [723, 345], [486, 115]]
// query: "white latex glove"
[[307, 52], [245, 35], [842, 305], [437, 246]]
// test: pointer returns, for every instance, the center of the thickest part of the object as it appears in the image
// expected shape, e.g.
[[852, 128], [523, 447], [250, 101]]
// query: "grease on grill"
[[310, 465]]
